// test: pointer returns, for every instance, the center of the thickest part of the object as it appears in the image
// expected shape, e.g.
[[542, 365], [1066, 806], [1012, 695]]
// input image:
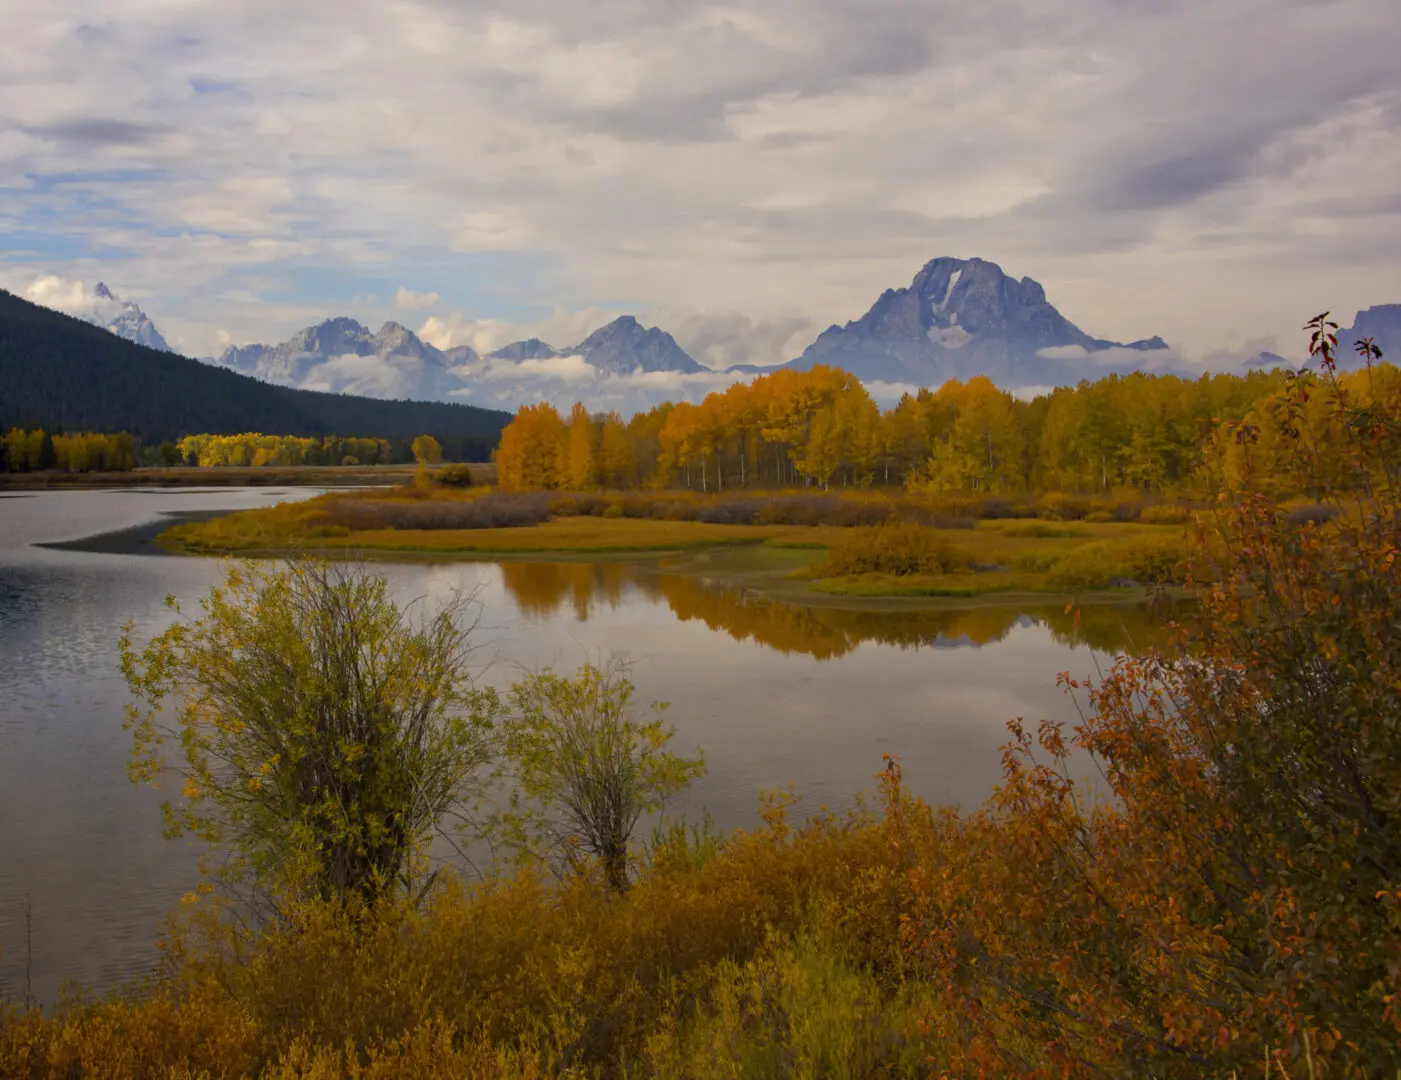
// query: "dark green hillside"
[[60, 373]]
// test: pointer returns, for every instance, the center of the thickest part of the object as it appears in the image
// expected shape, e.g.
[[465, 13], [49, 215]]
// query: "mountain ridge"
[[958, 318], [61, 372]]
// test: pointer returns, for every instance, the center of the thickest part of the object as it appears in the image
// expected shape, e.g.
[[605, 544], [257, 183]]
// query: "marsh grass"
[[911, 550], [896, 550]]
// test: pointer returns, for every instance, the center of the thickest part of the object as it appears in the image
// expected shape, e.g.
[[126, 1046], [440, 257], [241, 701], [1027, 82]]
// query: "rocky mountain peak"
[[625, 345], [334, 337], [529, 349], [956, 319], [396, 339], [1381, 323], [125, 319]]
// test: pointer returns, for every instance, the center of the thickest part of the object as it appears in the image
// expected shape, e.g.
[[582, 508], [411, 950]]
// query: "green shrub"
[[1098, 517], [1038, 530], [1163, 514], [459, 475], [1058, 506], [1124, 504], [893, 549], [1149, 560]]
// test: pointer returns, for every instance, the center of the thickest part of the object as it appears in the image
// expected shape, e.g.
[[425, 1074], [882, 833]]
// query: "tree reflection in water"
[[542, 588]]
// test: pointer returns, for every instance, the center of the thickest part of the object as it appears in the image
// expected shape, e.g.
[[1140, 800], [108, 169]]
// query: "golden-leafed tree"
[[531, 456], [616, 460], [581, 461]]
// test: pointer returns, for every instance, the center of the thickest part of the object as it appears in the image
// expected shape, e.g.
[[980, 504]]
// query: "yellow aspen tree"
[[582, 461], [617, 463], [532, 445]]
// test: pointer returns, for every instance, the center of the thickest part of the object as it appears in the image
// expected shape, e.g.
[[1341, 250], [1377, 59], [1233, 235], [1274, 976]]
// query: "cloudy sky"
[[1214, 171]]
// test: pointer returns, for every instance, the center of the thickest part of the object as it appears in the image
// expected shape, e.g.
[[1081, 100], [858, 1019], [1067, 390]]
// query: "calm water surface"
[[774, 694]]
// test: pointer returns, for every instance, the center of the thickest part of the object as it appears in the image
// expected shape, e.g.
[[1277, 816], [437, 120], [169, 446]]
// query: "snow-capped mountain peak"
[[124, 318]]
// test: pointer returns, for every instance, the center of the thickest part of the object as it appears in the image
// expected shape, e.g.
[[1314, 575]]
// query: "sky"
[[1213, 171]]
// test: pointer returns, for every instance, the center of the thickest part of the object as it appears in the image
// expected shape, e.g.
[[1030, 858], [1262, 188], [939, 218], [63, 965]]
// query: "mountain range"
[[957, 318], [340, 355], [60, 372]]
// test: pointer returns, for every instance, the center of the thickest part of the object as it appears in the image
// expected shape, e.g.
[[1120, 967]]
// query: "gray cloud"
[[1177, 168], [97, 132]]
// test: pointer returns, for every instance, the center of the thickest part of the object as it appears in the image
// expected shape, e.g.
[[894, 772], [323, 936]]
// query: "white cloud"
[[887, 394], [408, 300], [450, 331], [71, 297], [1161, 168], [352, 374], [568, 368], [1117, 357]]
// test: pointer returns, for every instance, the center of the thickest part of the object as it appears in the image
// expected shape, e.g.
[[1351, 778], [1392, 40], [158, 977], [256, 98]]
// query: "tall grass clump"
[[899, 550], [491, 510]]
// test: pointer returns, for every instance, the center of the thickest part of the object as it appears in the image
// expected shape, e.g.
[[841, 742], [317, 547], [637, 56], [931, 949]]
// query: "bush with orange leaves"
[[1233, 900], [1228, 905]]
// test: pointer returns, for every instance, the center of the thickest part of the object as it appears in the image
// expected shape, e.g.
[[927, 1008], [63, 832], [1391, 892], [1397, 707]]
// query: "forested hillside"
[[59, 373]]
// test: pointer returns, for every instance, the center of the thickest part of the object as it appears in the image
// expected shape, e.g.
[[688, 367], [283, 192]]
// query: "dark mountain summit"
[[959, 318], [1381, 323]]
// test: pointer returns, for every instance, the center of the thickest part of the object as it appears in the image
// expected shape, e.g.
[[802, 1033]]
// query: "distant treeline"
[[1161, 434], [36, 450], [61, 374], [89, 451]]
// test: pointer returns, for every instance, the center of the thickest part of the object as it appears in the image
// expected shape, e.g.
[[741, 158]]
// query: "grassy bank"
[[771, 953], [231, 476], [797, 546]]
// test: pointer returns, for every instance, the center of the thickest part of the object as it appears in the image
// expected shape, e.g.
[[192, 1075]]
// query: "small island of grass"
[[859, 546]]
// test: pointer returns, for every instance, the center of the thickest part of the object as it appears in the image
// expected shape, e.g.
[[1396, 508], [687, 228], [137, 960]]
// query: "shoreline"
[[134, 539], [224, 476]]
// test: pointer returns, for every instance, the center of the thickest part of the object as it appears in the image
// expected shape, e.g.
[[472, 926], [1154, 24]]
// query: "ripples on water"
[[774, 693]]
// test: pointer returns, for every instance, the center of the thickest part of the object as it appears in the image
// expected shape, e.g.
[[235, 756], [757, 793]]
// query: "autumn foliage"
[[1224, 900], [1155, 435], [77, 452]]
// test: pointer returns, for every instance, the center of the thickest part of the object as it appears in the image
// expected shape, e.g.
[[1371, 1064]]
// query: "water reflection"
[[824, 632], [775, 694]]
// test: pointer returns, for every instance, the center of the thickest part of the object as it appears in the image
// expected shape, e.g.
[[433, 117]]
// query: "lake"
[[774, 694]]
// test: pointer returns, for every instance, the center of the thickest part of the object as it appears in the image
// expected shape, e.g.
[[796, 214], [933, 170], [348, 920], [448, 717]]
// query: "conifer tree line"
[[1161, 434]]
